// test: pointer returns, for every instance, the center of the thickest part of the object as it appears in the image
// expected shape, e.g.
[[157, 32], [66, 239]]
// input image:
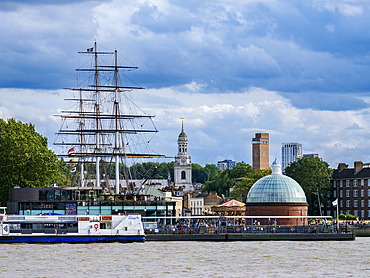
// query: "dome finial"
[[276, 167], [182, 124]]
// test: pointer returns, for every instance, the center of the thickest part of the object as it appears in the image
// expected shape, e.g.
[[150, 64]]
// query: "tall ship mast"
[[98, 128]]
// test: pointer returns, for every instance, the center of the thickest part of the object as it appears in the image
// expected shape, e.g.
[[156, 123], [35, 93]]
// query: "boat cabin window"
[[26, 226], [105, 225]]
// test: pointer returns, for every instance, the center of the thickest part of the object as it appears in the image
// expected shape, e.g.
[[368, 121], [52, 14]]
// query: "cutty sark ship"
[[99, 129]]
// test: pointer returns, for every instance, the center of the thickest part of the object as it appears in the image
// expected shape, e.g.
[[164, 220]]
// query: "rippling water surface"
[[188, 259]]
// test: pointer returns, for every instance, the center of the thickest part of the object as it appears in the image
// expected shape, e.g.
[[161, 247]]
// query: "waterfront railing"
[[237, 224]]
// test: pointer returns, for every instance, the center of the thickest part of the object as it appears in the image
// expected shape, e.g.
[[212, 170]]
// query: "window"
[[356, 213], [362, 203], [355, 183], [362, 182], [362, 193], [335, 183], [355, 194], [355, 203], [335, 194], [50, 195], [347, 183], [362, 213], [368, 213], [368, 193], [341, 183], [368, 203], [348, 193], [348, 203], [348, 211], [42, 195], [341, 211], [183, 175], [341, 193], [341, 203]]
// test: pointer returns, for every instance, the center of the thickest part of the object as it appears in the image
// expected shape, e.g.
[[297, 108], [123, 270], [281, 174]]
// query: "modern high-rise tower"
[[290, 152], [260, 151]]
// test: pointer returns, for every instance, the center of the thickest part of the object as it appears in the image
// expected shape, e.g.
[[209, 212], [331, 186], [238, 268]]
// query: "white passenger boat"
[[71, 228]]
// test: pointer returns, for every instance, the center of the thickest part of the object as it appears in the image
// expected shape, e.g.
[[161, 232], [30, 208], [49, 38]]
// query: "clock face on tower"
[[256, 153], [183, 160]]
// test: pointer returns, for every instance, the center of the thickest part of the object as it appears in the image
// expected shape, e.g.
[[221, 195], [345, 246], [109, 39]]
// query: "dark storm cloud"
[[286, 46]]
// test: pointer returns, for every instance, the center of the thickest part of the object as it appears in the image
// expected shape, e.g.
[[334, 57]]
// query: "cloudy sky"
[[298, 70]]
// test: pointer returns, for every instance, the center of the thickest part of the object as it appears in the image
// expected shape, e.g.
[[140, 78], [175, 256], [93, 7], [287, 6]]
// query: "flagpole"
[[338, 215]]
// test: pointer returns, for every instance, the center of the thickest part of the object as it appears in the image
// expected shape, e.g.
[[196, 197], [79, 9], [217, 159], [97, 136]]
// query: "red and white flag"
[[71, 150]]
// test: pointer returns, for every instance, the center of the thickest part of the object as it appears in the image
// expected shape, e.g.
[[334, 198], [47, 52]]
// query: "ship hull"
[[71, 239]]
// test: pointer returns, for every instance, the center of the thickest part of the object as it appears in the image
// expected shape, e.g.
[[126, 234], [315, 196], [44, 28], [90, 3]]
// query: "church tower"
[[182, 167]]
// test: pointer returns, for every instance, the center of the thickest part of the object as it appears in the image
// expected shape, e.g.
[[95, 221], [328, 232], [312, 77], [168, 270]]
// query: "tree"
[[25, 159], [203, 174], [314, 176], [224, 180], [241, 189]]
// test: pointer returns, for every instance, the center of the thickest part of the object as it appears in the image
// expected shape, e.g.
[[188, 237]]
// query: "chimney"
[[358, 166], [342, 166]]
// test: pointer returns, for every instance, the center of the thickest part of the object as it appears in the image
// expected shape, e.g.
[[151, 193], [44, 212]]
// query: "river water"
[[188, 259]]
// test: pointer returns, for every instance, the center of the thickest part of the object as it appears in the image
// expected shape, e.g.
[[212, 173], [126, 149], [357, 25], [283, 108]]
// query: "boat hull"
[[71, 239]]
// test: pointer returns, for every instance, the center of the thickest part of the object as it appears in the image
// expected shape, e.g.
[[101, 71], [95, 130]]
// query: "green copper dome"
[[276, 188]]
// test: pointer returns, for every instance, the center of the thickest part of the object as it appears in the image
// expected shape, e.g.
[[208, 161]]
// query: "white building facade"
[[182, 167], [290, 152]]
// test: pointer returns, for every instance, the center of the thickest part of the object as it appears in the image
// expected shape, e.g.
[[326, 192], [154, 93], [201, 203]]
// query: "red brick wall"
[[283, 210]]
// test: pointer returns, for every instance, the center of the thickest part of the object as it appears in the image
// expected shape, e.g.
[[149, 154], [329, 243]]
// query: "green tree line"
[[313, 175], [226, 180]]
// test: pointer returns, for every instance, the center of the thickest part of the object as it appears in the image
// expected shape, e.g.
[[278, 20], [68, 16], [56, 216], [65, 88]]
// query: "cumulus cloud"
[[218, 125], [296, 69]]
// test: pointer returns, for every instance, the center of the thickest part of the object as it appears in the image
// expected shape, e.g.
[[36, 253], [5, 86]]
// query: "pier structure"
[[220, 228]]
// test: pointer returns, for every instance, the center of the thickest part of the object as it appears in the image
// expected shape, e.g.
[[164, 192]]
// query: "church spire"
[[182, 126]]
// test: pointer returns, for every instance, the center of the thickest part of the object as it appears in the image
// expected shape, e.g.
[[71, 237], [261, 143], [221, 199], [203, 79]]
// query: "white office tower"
[[290, 152]]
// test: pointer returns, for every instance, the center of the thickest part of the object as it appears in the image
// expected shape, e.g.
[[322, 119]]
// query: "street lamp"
[[318, 197]]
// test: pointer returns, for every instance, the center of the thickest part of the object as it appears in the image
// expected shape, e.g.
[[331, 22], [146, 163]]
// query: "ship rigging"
[[98, 128]]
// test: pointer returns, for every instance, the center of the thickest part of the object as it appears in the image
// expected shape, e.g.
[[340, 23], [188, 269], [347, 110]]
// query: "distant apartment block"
[[224, 164], [260, 151], [290, 152], [310, 155]]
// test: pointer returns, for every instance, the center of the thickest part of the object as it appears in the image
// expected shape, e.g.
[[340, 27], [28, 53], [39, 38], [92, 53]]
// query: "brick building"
[[352, 188], [260, 151]]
